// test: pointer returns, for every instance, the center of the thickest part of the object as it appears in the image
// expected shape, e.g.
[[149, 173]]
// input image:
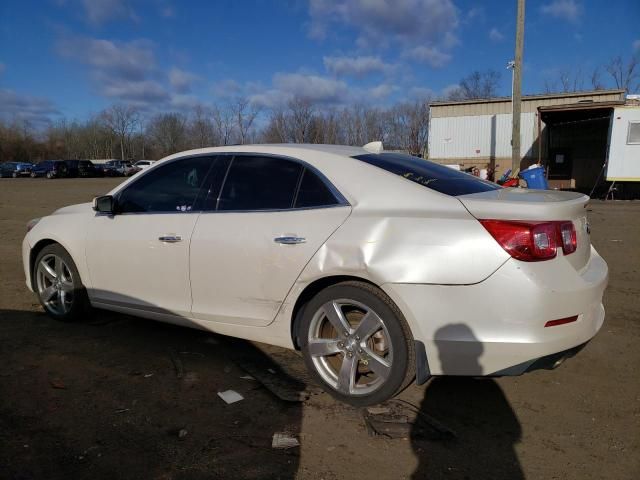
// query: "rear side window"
[[428, 174], [260, 183], [173, 187], [314, 192]]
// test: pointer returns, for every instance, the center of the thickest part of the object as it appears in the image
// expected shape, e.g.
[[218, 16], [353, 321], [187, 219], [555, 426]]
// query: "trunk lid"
[[537, 206]]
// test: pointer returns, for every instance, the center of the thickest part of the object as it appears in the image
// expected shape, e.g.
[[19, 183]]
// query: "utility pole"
[[517, 89]]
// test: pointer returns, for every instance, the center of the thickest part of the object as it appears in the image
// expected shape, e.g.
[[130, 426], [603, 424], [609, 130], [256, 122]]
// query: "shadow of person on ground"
[[103, 398], [477, 410]]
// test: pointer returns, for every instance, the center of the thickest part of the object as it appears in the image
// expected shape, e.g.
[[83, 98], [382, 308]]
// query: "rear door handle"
[[290, 240], [170, 238]]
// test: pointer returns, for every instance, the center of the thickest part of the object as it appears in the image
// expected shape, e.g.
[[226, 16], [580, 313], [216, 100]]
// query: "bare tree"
[[202, 131], [122, 120], [169, 133], [244, 113], [624, 74], [301, 114], [224, 123], [477, 85]]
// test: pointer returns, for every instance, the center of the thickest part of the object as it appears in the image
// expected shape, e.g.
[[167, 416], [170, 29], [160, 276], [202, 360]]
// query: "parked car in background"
[[380, 267], [82, 168], [15, 169], [143, 164], [50, 169], [119, 168]]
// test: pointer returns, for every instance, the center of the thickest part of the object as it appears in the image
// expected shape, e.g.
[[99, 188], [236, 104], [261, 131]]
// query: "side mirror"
[[104, 204]]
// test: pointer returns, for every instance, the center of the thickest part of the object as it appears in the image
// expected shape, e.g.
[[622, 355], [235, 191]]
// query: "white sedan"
[[380, 267]]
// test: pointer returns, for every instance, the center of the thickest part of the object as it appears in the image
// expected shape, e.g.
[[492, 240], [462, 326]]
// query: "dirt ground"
[[102, 399]]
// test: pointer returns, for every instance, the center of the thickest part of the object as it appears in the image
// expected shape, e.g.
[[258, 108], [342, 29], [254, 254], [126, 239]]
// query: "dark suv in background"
[[15, 169], [81, 168], [50, 169]]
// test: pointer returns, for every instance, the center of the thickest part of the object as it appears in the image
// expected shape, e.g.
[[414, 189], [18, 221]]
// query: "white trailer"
[[623, 164]]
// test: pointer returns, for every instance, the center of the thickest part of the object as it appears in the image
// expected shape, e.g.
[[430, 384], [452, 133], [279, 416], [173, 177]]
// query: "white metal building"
[[582, 138]]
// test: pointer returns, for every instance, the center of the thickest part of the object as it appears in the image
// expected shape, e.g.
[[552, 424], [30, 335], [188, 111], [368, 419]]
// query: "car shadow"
[[116, 396], [485, 426]]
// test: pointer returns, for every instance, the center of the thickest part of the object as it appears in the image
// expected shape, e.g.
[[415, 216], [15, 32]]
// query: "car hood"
[[79, 208]]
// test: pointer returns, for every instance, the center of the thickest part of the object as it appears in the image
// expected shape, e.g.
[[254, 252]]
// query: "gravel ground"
[[102, 399]]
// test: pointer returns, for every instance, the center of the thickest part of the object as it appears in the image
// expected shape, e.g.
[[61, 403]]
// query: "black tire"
[[49, 175], [73, 309], [393, 329], [14, 175]]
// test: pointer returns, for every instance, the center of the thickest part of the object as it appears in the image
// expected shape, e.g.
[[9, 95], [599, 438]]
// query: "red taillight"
[[568, 238], [532, 241]]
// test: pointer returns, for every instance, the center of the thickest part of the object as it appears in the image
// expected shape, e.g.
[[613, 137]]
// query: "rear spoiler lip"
[[522, 204]]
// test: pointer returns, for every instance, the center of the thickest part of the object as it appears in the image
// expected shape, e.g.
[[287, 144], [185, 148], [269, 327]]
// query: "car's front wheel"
[[58, 284], [357, 344]]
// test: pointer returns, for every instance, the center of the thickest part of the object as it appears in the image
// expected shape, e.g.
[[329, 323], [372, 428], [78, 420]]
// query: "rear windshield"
[[428, 174]]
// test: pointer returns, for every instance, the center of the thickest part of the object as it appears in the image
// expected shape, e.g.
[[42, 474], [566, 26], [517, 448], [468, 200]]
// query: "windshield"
[[428, 174]]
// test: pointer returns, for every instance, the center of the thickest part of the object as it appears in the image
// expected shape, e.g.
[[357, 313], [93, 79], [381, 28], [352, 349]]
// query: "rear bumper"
[[496, 327]]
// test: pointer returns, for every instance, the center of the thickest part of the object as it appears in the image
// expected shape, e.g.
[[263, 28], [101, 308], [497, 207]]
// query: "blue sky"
[[75, 57]]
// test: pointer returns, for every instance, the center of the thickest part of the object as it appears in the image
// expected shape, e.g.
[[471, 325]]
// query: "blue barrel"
[[535, 178]]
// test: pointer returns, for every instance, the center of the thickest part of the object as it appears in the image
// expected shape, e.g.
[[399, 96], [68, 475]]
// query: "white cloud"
[[377, 22], [356, 66], [101, 11], [313, 87], [568, 10], [140, 93], [226, 88], [475, 13], [431, 56], [381, 91], [123, 71], [449, 89], [636, 45], [181, 80], [130, 60], [421, 92], [37, 110], [495, 35]]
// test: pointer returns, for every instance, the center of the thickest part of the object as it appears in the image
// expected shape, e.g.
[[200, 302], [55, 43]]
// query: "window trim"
[[630, 122], [341, 200]]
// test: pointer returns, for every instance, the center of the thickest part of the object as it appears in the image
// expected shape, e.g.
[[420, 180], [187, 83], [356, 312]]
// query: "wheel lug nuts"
[[346, 334], [340, 345], [359, 350]]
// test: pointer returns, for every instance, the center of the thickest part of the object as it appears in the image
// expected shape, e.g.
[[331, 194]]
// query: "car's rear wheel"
[[49, 175], [58, 284], [357, 344]]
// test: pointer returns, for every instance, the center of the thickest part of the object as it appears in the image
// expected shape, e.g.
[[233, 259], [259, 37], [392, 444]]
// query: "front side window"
[[260, 183], [171, 188]]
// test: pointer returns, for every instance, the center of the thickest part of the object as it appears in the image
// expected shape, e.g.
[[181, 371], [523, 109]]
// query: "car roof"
[[365, 186], [278, 148]]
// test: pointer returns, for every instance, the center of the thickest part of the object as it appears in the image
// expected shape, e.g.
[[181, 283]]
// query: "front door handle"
[[290, 240], [170, 238]]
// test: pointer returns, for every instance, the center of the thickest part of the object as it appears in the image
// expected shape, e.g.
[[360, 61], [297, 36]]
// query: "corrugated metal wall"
[[480, 136]]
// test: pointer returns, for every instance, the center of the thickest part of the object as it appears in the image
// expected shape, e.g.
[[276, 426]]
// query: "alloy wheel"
[[55, 284], [350, 347]]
